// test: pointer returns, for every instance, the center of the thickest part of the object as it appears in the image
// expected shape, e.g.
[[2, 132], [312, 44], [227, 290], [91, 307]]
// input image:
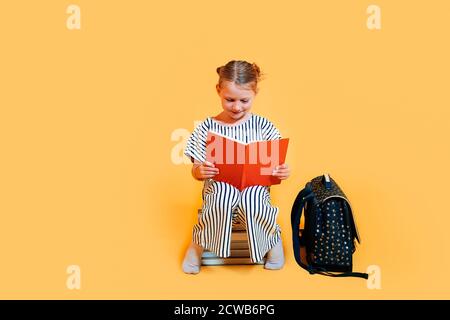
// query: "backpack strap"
[[344, 274], [296, 214]]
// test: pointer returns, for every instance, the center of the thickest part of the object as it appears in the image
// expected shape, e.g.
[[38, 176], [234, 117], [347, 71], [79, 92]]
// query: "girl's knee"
[[253, 195], [221, 199], [213, 186]]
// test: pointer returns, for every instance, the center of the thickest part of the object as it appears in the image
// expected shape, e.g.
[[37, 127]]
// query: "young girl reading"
[[237, 88]]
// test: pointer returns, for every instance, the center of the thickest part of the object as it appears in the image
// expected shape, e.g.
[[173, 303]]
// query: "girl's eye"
[[231, 100]]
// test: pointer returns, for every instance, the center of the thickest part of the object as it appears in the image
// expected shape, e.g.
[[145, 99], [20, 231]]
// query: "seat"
[[240, 254]]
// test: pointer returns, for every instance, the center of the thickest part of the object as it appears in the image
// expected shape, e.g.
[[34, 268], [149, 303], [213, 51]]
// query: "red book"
[[243, 165]]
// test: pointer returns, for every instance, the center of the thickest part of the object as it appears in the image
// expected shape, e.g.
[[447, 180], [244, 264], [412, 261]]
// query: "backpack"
[[329, 233]]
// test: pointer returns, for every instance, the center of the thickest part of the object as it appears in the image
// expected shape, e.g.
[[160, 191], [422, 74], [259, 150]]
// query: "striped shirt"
[[255, 128]]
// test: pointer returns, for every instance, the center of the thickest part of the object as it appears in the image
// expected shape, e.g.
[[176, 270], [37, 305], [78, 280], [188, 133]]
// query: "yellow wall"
[[89, 172]]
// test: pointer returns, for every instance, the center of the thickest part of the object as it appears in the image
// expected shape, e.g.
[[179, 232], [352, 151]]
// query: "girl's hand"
[[282, 171], [204, 171]]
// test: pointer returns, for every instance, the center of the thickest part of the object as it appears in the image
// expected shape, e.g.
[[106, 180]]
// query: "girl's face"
[[236, 101]]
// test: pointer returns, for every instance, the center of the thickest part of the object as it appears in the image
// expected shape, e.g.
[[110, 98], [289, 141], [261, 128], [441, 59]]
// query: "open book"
[[243, 165]]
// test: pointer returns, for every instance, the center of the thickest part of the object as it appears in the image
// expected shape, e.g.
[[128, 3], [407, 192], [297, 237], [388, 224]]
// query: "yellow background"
[[87, 175]]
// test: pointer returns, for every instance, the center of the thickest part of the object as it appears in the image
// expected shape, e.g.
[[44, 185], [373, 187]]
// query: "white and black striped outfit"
[[223, 202]]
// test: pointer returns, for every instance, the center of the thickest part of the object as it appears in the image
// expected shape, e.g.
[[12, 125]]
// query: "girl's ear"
[[218, 88]]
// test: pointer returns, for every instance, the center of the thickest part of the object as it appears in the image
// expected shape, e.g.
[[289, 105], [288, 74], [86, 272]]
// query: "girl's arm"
[[282, 171], [201, 171]]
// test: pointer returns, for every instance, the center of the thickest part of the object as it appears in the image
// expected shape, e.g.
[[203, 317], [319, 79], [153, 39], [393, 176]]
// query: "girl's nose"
[[236, 108]]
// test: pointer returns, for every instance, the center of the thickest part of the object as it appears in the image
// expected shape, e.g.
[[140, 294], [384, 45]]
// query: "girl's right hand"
[[204, 171]]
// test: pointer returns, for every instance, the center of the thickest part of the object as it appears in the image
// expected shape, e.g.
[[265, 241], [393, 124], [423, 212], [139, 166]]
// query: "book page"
[[228, 156], [269, 154]]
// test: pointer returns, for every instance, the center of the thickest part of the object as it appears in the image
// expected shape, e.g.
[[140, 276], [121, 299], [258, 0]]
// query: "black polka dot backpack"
[[327, 242]]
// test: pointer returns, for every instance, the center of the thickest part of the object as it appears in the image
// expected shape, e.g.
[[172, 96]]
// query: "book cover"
[[243, 165]]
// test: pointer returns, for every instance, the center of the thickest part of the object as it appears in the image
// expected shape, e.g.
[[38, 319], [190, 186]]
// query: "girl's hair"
[[242, 73]]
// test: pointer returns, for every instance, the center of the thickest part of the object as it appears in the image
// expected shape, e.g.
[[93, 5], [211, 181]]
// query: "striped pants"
[[223, 203]]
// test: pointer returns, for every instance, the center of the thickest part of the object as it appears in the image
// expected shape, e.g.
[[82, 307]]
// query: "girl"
[[222, 202]]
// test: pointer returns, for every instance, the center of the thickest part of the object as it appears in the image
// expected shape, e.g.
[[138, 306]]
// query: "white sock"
[[193, 259], [275, 257]]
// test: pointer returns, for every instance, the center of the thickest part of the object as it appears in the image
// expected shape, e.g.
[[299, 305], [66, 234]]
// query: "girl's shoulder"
[[263, 121], [268, 129], [204, 124], [260, 117]]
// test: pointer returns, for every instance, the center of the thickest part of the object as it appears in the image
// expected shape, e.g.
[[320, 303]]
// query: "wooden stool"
[[240, 253]]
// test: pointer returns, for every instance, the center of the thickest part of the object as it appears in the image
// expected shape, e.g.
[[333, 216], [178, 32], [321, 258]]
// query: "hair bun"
[[257, 70], [218, 70]]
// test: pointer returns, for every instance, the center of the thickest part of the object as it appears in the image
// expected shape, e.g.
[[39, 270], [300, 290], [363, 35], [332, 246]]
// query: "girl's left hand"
[[282, 171]]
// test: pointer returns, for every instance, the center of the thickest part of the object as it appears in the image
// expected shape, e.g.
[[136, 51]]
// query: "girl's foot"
[[275, 257], [193, 259]]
